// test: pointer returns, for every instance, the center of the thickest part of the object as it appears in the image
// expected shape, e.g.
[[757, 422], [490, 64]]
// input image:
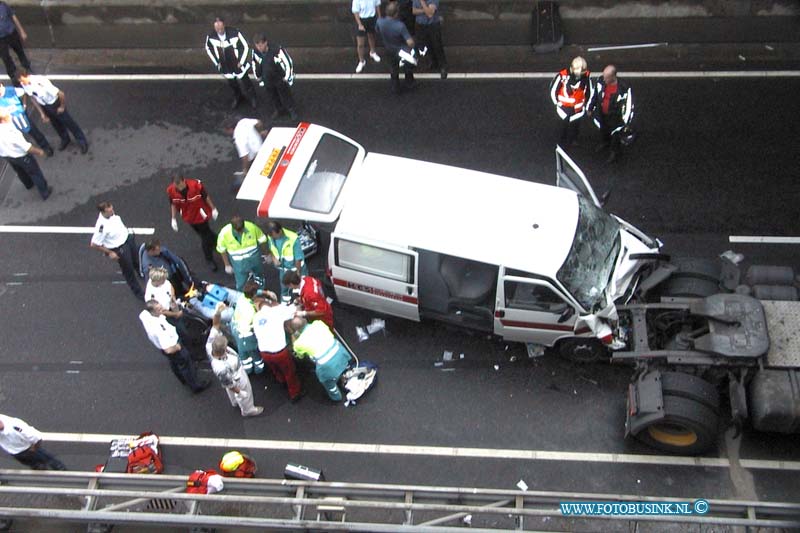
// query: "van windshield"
[[324, 177], [587, 269]]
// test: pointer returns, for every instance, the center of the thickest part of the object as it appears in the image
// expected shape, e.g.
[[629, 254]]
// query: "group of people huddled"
[[261, 324], [608, 101]]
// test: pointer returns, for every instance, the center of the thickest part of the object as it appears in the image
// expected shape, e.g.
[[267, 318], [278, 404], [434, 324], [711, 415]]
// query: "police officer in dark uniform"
[[611, 110], [230, 53], [399, 46], [273, 67]]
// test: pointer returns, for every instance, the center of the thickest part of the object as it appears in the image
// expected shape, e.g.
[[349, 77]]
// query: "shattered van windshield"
[[587, 269]]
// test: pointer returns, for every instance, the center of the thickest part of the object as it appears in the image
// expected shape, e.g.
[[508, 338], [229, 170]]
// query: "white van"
[[529, 262]]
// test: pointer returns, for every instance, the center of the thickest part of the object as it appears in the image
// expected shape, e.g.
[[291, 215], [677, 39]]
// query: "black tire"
[[582, 350], [687, 287], [688, 428], [691, 387]]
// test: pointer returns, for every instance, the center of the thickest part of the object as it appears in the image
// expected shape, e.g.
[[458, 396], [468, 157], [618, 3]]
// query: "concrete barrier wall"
[[308, 23]]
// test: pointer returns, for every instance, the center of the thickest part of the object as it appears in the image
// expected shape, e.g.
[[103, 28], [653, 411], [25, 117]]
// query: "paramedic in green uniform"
[[241, 244], [287, 255], [242, 328], [330, 357]]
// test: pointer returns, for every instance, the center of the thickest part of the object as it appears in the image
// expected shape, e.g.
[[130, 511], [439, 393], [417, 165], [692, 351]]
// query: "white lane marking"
[[119, 282], [19, 274], [66, 229], [624, 47], [13, 283], [452, 75], [73, 371], [76, 362], [435, 451], [757, 239]]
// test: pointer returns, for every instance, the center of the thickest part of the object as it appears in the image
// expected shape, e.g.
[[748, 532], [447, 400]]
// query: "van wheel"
[[688, 427], [691, 387], [579, 350]]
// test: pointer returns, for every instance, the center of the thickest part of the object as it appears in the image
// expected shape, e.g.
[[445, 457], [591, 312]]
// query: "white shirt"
[[109, 232], [365, 8], [246, 138], [17, 436], [212, 334], [161, 333], [12, 142], [268, 327], [41, 89], [162, 294]]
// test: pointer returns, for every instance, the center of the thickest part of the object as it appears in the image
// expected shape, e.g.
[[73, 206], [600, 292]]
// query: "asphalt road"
[[715, 157]]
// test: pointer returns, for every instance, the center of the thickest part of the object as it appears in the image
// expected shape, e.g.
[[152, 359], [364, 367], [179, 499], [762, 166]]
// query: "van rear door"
[[375, 276], [303, 176], [570, 176]]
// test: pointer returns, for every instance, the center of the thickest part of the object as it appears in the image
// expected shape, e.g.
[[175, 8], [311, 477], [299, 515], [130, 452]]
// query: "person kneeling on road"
[[316, 341], [228, 368], [164, 336]]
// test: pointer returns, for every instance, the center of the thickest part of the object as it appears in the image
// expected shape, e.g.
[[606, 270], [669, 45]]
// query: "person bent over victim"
[[330, 357]]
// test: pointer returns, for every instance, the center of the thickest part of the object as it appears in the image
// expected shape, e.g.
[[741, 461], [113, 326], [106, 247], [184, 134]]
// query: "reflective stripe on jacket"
[[574, 96], [245, 248], [316, 341], [286, 257]]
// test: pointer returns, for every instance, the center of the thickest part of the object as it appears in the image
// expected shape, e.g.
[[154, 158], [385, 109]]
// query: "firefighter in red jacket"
[[312, 298], [571, 92], [189, 197]]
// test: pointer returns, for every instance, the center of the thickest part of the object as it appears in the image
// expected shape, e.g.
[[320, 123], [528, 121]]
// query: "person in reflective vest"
[[330, 357], [241, 244], [286, 254], [242, 327], [611, 110], [571, 92]]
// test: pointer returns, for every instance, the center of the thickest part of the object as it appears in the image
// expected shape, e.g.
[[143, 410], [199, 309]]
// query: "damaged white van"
[[528, 262]]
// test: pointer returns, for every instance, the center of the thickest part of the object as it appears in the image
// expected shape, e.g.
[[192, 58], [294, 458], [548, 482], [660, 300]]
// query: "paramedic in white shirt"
[[113, 239], [52, 105], [164, 336], [248, 136], [24, 443]]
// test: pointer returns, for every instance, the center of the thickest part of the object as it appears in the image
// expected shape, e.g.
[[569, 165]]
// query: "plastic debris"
[[742, 58], [362, 334], [329, 300], [534, 350], [768, 47], [497, 367], [513, 359], [376, 325], [461, 356], [438, 363], [522, 485], [732, 256], [467, 520], [447, 356], [593, 382], [638, 481]]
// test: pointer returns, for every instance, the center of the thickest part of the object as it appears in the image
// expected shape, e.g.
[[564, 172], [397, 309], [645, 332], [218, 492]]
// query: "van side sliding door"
[[375, 276]]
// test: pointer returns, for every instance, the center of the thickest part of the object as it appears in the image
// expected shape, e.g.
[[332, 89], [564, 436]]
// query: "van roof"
[[464, 213]]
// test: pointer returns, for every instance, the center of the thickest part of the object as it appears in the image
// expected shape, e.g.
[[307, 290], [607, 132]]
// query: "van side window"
[[376, 261], [530, 297]]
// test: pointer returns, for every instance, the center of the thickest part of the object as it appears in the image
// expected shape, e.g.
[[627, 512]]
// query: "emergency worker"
[[242, 325], [331, 358], [571, 92], [241, 244], [311, 297], [269, 327], [611, 110], [189, 197], [286, 254]]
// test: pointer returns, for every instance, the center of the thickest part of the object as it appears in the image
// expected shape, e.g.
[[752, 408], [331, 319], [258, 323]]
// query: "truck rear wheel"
[[694, 278], [691, 387], [579, 350], [688, 427]]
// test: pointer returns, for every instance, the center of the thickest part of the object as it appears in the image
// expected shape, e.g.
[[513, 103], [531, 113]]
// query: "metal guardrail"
[[104, 499]]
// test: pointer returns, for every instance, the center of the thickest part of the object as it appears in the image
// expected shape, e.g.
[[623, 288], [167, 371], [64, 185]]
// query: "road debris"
[[522, 485]]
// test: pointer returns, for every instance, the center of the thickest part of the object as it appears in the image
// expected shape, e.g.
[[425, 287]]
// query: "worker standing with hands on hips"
[[189, 197], [286, 254], [241, 244], [571, 92]]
